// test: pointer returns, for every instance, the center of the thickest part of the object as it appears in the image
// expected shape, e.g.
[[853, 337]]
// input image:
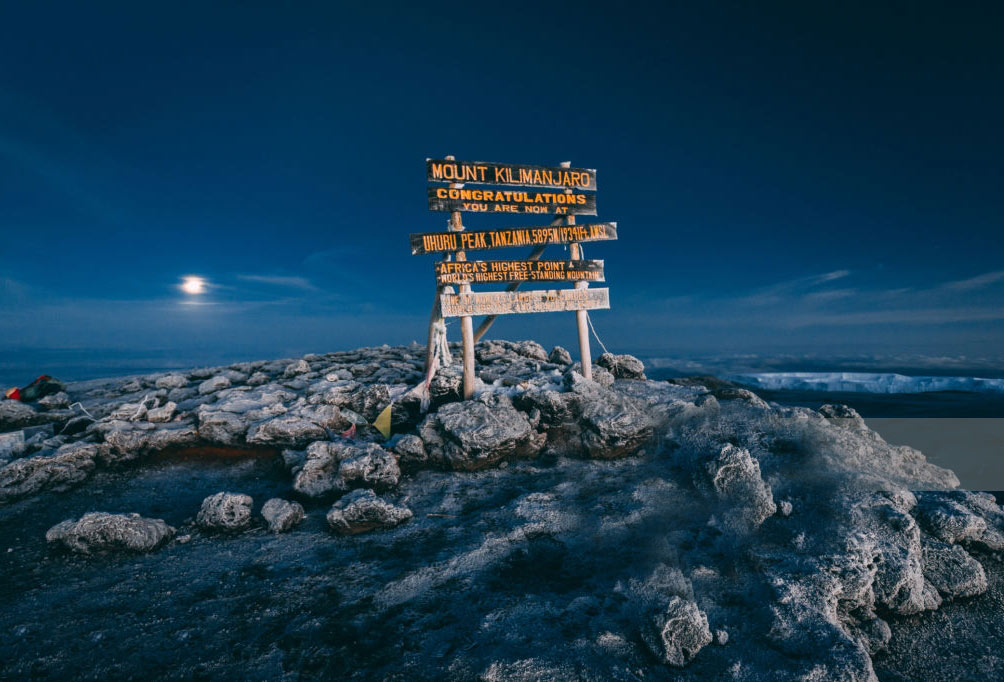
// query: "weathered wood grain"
[[509, 302]]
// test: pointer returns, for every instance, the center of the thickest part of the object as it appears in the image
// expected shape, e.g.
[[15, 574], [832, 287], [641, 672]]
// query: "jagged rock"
[[170, 381], [371, 400], [258, 379], [296, 368], [531, 349], [281, 515], [67, 467], [447, 386], [55, 401], [15, 414], [476, 434], [559, 356], [361, 511], [411, 451], [735, 476], [952, 571], [899, 583], [948, 520], [370, 466], [622, 366], [734, 393], [677, 634], [613, 425], [285, 430], [159, 415], [225, 511], [843, 416], [101, 531], [214, 384], [336, 466], [223, 428]]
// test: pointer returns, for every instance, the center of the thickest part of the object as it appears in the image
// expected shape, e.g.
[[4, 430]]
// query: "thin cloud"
[[978, 282], [281, 281]]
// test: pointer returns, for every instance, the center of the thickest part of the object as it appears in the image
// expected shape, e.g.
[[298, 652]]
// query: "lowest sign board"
[[508, 302]]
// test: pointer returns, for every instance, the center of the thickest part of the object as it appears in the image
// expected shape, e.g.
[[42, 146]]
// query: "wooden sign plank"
[[508, 302], [445, 242], [510, 201], [505, 271], [518, 174]]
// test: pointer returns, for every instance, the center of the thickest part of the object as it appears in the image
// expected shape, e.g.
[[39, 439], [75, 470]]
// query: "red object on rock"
[[13, 394]]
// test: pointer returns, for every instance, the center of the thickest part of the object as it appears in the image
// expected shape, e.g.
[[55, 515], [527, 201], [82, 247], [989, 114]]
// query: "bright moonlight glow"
[[193, 286]]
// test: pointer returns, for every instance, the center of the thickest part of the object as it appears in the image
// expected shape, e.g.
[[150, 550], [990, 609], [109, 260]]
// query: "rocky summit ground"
[[248, 522]]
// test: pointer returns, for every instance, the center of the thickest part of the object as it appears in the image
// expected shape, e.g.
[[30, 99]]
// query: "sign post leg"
[[581, 316]]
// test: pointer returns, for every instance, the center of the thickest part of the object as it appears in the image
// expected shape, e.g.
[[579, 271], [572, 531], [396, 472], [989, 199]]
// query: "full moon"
[[193, 285]]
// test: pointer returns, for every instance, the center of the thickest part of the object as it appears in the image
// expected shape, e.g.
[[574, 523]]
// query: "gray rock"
[[101, 531], [531, 349], [735, 476], [14, 415], [223, 428], [952, 571], [258, 379], [947, 519], [476, 434], [286, 430], [214, 384], [337, 466], [55, 401], [559, 356], [622, 366], [411, 452], [361, 511], [62, 470], [677, 634], [225, 512], [281, 515], [842, 415], [170, 381], [296, 368], [160, 415], [371, 400], [613, 425], [733, 393]]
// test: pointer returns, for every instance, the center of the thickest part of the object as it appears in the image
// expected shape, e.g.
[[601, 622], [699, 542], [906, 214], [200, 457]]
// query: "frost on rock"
[[337, 466], [100, 531], [225, 511], [361, 511], [678, 633], [281, 515], [735, 476]]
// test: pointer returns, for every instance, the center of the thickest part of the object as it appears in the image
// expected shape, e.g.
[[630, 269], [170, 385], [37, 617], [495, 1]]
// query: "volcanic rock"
[[361, 511], [677, 634], [281, 515], [225, 512], [622, 366], [101, 531]]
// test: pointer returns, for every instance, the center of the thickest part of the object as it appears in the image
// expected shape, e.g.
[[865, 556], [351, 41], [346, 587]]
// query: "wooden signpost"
[[551, 191]]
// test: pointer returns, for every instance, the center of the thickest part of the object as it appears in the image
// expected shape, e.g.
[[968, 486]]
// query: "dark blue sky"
[[787, 177]]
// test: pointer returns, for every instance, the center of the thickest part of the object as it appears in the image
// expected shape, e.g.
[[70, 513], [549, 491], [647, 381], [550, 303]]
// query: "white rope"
[[82, 409], [595, 335]]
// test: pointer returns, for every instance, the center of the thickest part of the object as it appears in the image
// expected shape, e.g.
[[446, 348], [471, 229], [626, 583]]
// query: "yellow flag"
[[382, 422]]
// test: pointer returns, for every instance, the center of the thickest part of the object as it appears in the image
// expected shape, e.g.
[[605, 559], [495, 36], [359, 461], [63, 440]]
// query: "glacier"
[[866, 382]]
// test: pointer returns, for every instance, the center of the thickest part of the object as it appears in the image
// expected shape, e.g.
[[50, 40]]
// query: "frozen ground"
[[561, 529]]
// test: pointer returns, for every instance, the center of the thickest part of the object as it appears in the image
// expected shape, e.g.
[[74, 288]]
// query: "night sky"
[[787, 177]]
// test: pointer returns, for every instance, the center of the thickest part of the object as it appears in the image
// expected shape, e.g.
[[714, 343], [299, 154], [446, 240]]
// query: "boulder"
[[223, 428], [476, 434], [170, 381], [952, 571], [361, 511], [14, 414], [296, 368], [216, 383], [411, 452], [371, 400], [225, 512], [677, 634], [613, 425], [340, 465], [159, 415], [55, 401], [735, 477], [281, 515], [288, 430], [101, 531], [67, 467], [559, 356], [622, 366]]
